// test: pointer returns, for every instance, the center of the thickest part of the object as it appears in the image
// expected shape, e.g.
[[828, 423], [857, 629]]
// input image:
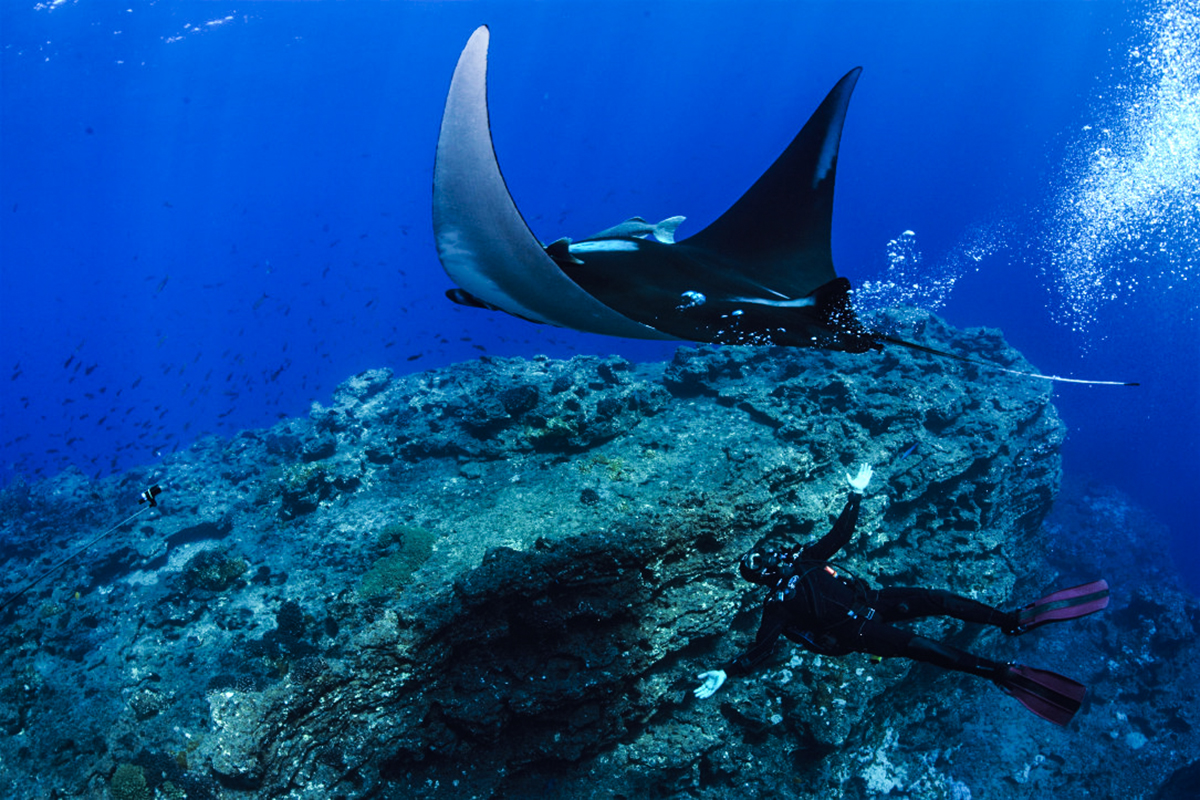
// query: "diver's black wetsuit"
[[814, 606]]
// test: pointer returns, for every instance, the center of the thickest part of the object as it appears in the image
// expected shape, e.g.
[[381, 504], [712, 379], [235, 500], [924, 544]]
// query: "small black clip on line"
[[145, 497], [149, 495]]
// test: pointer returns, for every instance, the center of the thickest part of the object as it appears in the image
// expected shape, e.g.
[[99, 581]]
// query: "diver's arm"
[[843, 529], [839, 536], [764, 643]]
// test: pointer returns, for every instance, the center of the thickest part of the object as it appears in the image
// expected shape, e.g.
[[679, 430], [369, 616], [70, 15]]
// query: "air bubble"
[[1132, 200]]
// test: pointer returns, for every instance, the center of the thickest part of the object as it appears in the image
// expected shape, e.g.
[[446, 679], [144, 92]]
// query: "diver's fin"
[[1078, 601], [1051, 696]]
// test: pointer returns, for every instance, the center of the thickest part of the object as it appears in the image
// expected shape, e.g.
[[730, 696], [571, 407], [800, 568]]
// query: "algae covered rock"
[[499, 579], [589, 515], [410, 547], [213, 570]]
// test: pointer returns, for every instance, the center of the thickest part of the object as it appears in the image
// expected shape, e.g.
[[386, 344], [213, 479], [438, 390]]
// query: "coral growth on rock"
[[499, 579]]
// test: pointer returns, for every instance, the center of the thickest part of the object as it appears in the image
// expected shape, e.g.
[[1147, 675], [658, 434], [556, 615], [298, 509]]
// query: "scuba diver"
[[832, 614]]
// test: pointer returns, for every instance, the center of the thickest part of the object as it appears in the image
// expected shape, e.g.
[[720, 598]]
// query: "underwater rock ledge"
[[501, 576]]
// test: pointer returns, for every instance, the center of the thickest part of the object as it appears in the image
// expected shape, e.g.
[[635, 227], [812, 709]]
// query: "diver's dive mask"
[[762, 568]]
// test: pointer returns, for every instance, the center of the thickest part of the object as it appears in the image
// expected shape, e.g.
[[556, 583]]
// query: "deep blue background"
[[212, 214]]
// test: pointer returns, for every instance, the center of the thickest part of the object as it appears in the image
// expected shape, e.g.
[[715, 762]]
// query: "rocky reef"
[[499, 579]]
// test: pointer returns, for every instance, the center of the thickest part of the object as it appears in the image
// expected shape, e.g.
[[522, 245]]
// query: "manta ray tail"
[[991, 365]]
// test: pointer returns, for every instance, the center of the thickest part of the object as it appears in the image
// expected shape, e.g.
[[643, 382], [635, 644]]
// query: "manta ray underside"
[[762, 273]]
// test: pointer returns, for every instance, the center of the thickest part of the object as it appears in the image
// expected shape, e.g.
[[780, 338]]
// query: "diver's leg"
[[1047, 694], [880, 639], [900, 603]]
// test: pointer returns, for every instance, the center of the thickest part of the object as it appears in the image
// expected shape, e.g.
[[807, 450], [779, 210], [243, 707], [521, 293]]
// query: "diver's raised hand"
[[711, 681], [859, 482]]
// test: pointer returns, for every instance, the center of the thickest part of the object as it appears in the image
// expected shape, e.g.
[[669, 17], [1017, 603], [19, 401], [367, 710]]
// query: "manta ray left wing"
[[482, 240]]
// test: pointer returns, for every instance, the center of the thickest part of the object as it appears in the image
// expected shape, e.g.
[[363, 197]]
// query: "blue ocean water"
[[212, 213]]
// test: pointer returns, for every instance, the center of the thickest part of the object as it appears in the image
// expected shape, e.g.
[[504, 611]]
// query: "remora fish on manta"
[[762, 273]]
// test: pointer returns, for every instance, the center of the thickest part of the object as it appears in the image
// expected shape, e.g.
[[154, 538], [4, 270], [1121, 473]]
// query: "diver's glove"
[[710, 682], [859, 482]]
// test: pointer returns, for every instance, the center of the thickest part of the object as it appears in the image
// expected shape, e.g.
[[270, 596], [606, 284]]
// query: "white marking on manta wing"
[[828, 153], [803, 302], [604, 246], [833, 134], [767, 290]]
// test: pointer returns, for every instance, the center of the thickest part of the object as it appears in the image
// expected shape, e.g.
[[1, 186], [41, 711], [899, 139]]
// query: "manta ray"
[[762, 273]]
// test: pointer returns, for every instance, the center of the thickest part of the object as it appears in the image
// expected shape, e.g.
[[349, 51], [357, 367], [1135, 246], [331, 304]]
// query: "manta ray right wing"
[[778, 232]]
